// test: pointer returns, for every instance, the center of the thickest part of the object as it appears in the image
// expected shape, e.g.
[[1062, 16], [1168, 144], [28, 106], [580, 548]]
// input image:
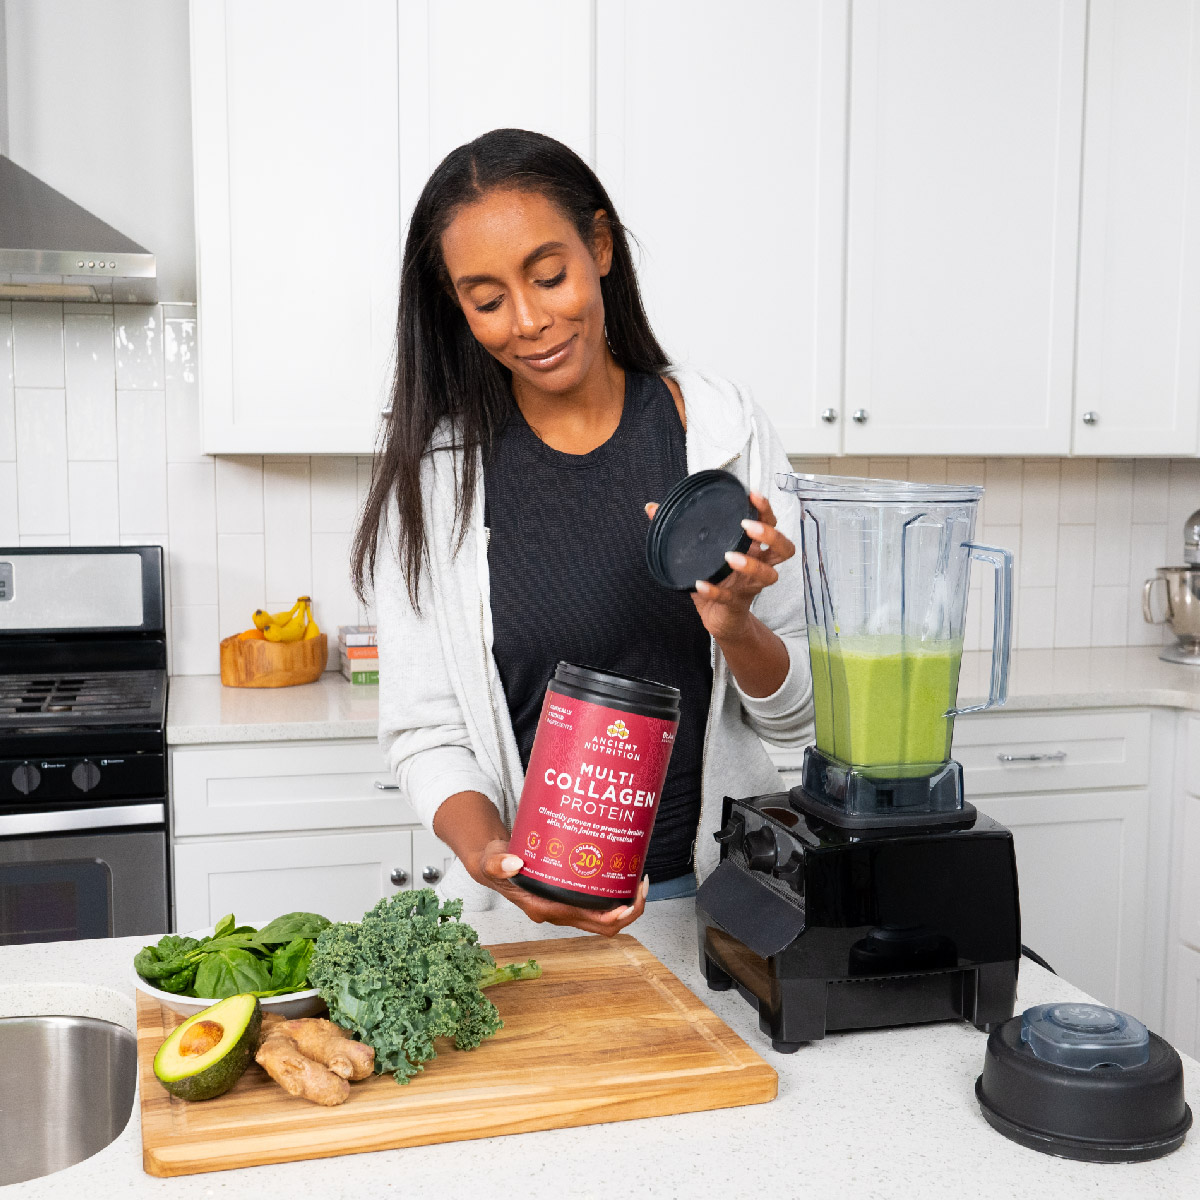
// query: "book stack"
[[359, 653]]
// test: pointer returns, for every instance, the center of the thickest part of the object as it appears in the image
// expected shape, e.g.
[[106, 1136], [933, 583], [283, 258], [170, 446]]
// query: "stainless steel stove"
[[83, 791]]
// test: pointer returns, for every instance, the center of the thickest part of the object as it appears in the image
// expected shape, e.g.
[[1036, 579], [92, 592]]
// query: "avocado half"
[[211, 1050]]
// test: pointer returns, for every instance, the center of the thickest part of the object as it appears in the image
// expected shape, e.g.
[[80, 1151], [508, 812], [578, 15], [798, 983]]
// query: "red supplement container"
[[591, 792]]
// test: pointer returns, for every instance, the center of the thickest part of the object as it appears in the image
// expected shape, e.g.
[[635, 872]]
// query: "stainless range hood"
[[52, 249]]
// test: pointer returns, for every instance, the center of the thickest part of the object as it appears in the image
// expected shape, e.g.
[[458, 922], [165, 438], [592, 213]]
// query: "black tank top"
[[567, 566]]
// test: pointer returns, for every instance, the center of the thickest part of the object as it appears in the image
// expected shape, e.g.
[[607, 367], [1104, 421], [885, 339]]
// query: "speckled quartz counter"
[[882, 1114], [200, 710]]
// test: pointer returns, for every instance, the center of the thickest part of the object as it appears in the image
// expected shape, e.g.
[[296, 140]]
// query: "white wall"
[[96, 101]]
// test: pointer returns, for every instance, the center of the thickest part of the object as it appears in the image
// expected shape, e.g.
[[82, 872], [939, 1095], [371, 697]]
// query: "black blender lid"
[[696, 524], [1086, 1082]]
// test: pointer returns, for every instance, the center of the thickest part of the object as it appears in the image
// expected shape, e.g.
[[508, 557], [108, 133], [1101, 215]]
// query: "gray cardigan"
[[443, 718]]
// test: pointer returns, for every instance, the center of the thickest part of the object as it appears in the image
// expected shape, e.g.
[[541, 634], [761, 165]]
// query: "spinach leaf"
[[168, 957], [224, 925], [228, 972], [289, 965], [179, 982], [291, 926]]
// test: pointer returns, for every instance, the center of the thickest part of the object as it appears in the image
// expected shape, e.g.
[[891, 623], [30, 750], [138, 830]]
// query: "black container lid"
[[696, 524], [614, 690], [1030, 1091]]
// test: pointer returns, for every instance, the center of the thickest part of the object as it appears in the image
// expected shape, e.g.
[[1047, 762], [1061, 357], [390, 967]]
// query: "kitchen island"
[[880, 1114]]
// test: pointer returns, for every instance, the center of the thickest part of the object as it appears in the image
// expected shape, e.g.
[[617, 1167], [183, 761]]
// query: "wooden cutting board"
[[606, 1034]]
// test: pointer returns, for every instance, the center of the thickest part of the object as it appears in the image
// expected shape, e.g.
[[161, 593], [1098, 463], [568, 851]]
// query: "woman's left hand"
[[724, 607]]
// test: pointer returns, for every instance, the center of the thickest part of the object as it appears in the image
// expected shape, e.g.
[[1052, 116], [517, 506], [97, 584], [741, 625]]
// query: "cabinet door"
[[337, 875], [965, 136], [1081, 868], [295, 128], [1183, 1001], [476, 65], [431, 859], [1138, 374], [720, 133]]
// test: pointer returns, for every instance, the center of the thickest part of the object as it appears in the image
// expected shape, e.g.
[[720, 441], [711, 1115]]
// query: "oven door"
[[103, 882]]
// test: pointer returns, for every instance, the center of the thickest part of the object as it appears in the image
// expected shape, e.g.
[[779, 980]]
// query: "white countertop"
[[889, 1113], [201, 710]]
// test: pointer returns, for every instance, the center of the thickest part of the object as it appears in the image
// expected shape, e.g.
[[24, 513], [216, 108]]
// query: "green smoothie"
[[880, 701]]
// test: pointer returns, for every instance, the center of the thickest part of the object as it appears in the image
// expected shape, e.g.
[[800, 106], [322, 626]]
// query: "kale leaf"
[[408, 973]]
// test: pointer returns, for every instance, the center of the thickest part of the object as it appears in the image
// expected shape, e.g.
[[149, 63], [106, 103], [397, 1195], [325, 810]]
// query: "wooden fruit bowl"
[[258, 663]]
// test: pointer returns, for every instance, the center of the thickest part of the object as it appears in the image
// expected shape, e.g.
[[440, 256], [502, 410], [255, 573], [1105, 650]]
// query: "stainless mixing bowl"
[[1181, 588]]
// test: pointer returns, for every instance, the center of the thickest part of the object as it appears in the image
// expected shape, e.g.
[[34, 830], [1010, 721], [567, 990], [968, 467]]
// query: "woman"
[[535, 420]]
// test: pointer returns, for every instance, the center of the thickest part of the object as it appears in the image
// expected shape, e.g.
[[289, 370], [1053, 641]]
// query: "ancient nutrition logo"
[[618, 729]]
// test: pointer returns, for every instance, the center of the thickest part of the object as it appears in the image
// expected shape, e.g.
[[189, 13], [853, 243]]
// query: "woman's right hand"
[[497, 865]]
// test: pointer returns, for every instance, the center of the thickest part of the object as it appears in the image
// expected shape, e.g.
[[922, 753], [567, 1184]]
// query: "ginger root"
[[312, 1057], [280, 1057]]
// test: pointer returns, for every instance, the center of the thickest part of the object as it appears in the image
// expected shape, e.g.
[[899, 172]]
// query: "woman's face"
[[529, 286]]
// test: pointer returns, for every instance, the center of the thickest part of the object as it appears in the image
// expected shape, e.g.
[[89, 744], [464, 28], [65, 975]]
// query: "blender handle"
[[1002, 562]]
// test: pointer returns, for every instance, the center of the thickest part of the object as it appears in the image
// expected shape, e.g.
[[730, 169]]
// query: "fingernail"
[[734, 559], [511, 863], [619, 914], [753, 528], [645, 885], [702, 586]]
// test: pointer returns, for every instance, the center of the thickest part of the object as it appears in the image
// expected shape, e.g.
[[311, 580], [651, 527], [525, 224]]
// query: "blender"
[[873, 894]]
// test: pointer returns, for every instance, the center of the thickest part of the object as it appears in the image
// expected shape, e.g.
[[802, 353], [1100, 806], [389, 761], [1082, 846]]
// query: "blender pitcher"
[[886, 567]]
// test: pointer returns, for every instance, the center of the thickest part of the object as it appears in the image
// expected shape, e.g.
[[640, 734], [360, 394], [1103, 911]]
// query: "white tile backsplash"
[[37, 337], [95, 509], [138, 341], [91, 388], [100, 442], [142, 456], [42, 503]]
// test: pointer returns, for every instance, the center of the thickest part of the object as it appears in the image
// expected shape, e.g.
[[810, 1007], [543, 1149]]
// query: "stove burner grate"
[[102, 697]]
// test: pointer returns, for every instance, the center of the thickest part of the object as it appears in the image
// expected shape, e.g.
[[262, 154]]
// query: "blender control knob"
[[25, 778], [728, 834], [85, 775], [760, 849]]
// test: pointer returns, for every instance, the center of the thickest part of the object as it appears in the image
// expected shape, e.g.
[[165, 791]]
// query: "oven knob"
[[760, 849], [86, 775], [25, 778]]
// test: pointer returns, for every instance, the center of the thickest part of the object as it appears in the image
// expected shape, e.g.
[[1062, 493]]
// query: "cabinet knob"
[[431, 874], [399, 876], [829, 415], [1090, 418], [859, 416]]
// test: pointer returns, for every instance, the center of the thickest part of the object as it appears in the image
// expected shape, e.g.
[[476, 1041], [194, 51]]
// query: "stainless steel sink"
[[66, 1090]]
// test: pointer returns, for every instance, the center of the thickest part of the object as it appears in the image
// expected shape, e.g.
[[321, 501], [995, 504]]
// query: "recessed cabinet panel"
[[963, 177], [720, 133], [1081, 866], [476, 65], [1138, 376], [295, 129], [337, 875]]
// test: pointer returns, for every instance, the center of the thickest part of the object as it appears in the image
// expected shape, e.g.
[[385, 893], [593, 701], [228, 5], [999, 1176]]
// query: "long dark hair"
[[442, 372]]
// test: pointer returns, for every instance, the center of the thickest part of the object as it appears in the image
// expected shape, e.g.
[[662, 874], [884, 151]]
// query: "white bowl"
[[290, 1004]]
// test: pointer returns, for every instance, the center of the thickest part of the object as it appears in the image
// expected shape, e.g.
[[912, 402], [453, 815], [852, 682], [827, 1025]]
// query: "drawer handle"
[[1057, 756], [399, 876], [431, 874], [387, 787]]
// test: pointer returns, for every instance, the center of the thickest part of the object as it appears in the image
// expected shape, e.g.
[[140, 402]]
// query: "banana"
[[291, 630], [311, 628], [262, 618]]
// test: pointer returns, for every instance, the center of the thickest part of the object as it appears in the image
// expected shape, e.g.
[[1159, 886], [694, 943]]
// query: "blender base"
[[850, 798]]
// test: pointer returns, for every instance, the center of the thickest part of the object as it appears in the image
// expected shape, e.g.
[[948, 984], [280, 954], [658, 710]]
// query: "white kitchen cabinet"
[[295, 133], [267, 827], [965, 135], [339, 875], [1138, 371], [1182, 1029], [269, 786], [720, 134]]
